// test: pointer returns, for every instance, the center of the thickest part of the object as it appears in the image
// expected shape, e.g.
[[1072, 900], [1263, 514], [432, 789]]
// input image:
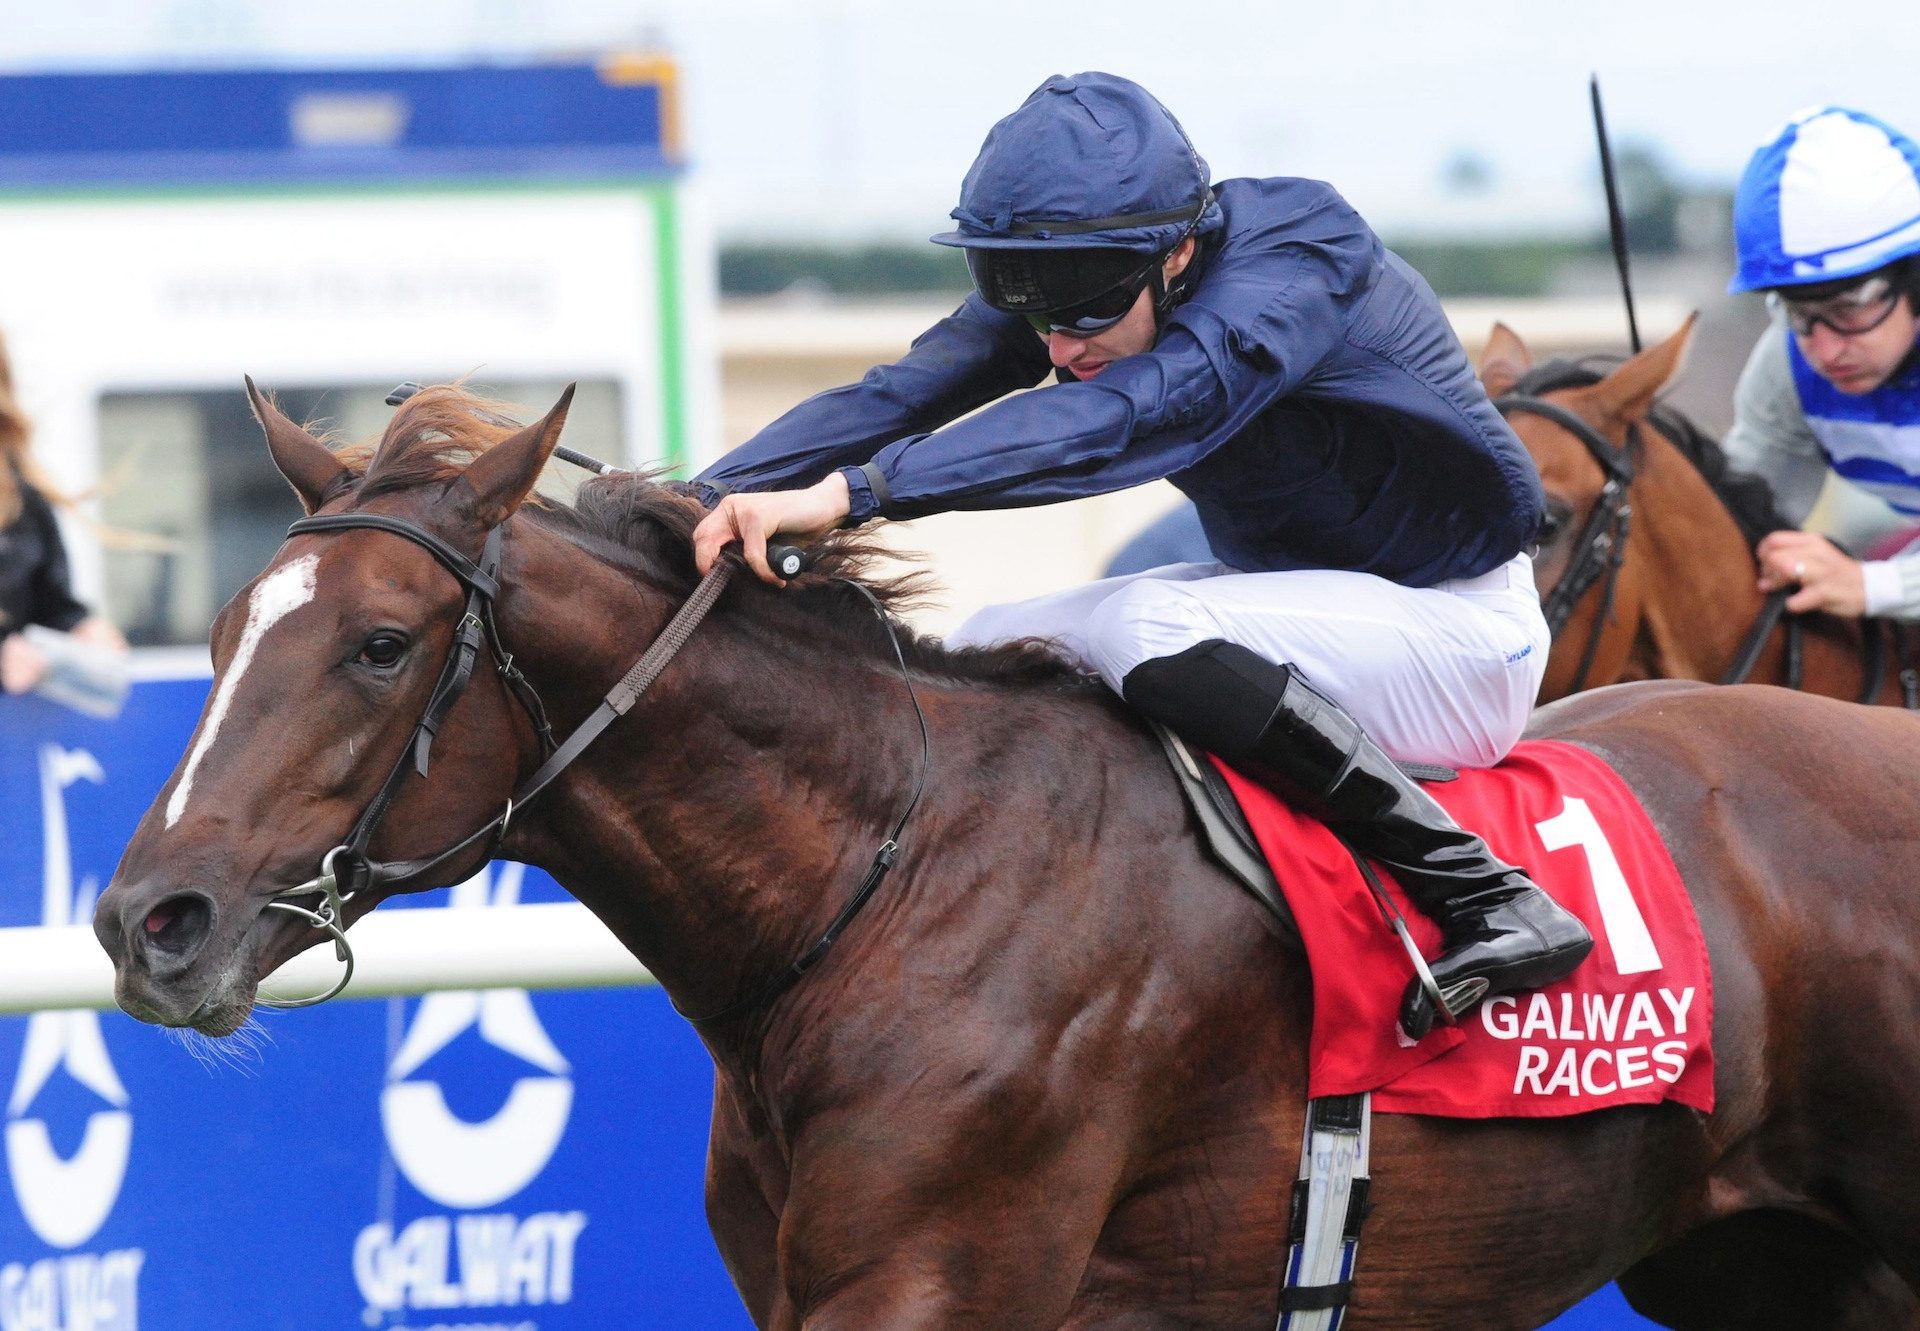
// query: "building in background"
[[332, 232]]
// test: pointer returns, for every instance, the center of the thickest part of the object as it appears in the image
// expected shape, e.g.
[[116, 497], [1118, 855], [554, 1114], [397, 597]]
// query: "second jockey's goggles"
[[1076, 291], [1859, 308]]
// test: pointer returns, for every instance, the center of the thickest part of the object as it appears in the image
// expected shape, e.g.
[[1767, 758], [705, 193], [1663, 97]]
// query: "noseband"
[[1601, 547]]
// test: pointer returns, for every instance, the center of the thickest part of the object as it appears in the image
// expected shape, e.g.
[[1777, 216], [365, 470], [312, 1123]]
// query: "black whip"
[[1616, 220]]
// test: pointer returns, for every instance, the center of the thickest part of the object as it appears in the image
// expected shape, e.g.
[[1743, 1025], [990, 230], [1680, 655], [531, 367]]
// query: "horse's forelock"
[[432, 437]]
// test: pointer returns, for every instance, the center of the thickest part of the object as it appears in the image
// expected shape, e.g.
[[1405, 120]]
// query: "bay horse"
[[1053, 1076], [1672, 591]]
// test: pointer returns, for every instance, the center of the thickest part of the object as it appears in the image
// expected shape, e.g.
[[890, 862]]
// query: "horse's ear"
[[1625, 396], [309, 465], [1503, 361], [503, 476]]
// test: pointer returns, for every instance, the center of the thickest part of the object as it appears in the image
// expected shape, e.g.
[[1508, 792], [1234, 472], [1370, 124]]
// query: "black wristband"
[[877, 482]]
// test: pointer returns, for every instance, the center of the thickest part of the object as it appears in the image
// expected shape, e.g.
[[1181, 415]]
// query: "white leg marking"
[[286, 590]]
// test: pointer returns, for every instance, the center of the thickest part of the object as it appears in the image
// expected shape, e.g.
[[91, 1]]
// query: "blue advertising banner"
[[491, 1161], [494, 1161]]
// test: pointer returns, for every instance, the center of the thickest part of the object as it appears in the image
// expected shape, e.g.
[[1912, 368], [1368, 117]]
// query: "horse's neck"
[[1695, 567], [721, 824]]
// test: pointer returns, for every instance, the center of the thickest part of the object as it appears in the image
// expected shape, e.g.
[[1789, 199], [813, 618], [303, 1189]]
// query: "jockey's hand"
[[22, 665], [755, 519], [1829, 579]]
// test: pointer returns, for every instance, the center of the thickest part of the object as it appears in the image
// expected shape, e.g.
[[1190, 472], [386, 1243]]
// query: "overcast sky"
[[858, 117]]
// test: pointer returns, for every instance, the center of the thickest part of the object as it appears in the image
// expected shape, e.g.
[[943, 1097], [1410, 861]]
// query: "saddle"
[[1226, 832]]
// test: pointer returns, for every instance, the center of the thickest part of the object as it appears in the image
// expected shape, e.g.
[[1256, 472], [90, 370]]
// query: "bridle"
[[347, 870], [1601, 548]]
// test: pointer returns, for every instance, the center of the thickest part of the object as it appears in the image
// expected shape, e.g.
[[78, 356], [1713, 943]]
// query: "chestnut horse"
[[1683, 600], [1053, 1075]]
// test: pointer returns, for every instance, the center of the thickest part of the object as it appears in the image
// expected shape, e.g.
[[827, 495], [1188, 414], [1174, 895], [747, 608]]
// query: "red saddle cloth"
[[1632, 1025]]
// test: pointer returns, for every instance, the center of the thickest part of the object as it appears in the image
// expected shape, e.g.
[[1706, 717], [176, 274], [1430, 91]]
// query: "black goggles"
[[1079, 291], [1848, 313], [1100, 313]]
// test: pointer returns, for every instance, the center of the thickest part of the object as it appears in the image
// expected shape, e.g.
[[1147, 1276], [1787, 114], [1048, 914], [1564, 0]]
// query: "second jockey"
[[1254, 343], [1827, 222]]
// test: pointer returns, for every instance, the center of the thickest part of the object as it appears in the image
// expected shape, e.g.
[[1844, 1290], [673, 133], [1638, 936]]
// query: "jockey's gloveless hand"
[[755, 519], [1829, 579]]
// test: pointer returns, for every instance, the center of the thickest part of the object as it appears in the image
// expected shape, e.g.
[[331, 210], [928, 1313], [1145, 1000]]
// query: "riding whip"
[[1616, 220]]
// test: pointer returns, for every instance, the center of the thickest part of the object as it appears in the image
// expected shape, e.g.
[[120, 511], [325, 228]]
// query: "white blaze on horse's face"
[[277, 595]]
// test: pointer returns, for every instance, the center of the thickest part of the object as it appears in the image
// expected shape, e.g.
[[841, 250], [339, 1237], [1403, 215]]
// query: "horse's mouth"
[[222, 1010], [216, 1006]]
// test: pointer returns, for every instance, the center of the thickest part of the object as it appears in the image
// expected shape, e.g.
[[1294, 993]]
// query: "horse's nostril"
[[176, 924]]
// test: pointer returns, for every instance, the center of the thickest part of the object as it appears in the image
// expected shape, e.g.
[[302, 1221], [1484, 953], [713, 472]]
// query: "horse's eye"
[[382, 651]]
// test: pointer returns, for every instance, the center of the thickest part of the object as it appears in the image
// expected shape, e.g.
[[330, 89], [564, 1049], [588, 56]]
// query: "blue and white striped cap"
[[1835, 194]]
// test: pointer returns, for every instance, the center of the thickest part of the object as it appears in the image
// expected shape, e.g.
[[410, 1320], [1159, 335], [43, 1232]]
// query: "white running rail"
[[544, 946]]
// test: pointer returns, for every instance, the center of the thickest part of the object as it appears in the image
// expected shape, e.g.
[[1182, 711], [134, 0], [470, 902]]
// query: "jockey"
[[1827, 222], [1371, 598]]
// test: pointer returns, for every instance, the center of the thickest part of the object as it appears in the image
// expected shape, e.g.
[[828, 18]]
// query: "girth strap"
[[1903, 657], [1330, 1202]]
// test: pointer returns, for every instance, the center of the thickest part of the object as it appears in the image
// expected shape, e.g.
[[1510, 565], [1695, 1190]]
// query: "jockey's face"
[[1854, 362], [1085, 357]]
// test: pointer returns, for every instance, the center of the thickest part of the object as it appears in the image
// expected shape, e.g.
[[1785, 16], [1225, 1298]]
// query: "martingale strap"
[[1329, 1205]]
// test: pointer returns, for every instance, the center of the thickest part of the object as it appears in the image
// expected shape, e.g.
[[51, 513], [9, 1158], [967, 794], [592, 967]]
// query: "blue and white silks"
[[1835, 194], [1871, 439]]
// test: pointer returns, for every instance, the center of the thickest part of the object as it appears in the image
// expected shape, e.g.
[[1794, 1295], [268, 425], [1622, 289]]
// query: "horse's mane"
[[1748, 499], [644, 524]]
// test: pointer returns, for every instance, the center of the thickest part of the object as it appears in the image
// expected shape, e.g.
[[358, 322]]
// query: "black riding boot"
[[1500, 932]]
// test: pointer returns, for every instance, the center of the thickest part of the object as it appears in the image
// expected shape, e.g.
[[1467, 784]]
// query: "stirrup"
[[1424, 973], [1449, 1003], [1461, 997]]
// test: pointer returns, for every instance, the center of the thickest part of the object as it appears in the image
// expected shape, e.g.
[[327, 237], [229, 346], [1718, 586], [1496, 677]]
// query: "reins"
[[347, 870], [1755, 642]]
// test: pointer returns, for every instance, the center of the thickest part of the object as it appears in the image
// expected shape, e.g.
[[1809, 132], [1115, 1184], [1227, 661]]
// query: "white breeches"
[[1444, 674]]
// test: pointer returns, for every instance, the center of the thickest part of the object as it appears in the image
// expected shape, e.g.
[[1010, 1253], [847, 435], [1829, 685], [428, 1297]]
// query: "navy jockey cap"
[[1076, 191]]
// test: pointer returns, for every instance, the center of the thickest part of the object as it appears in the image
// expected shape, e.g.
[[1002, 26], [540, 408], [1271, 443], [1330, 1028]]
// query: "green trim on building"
[[673, 347]]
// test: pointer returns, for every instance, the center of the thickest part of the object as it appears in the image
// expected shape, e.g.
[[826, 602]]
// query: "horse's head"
[[323, 666], [1581, 429]]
